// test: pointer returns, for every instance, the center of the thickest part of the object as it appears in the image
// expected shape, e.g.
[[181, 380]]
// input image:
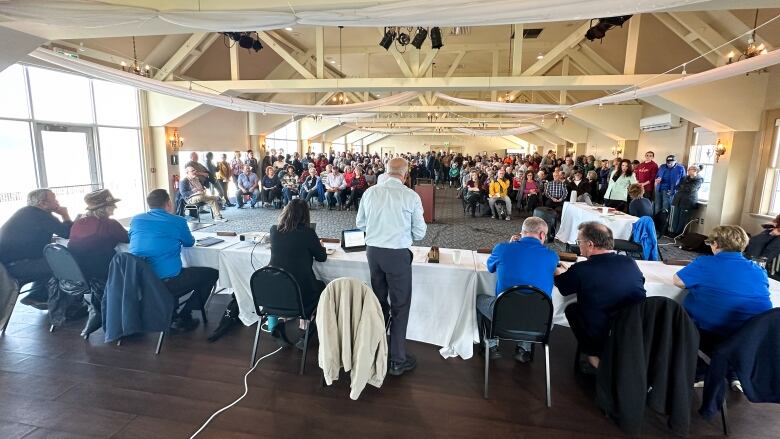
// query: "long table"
[[658, 282], [574, 214], [443, 304]]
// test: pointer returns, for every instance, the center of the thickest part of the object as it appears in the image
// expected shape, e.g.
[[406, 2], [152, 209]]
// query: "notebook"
[[208, 242]]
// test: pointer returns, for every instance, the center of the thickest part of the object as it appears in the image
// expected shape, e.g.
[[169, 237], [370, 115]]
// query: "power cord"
[[246, 391]]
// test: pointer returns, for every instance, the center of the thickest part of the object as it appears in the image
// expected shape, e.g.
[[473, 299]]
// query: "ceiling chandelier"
[[340, 98], [136, 67], [752, 48]]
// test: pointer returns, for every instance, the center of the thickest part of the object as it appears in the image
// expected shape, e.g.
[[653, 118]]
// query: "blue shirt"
[[724, 291], [247, 181], [670, 177], [391, 215], [523, 262], [158, 236]]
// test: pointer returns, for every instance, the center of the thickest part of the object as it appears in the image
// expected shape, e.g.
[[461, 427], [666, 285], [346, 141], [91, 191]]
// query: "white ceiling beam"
[[289, 59], [494, 73], [590, 82], [517, 49], [699, 35], [181, 55], [399, 59], [632, 44], [234, 67], [325, 98], [197, 53], [455, 64], [736, 27], [95, 54], [427, 62], [591, 54], [584, 63], [554, 55], [450, 47], [319, 43], [564, 72]]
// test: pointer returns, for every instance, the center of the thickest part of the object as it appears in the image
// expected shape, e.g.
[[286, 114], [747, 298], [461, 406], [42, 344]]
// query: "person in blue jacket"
[[667, 182]]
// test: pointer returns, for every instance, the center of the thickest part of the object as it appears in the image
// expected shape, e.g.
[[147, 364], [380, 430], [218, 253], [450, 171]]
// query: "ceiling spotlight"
[[403, 39], [436, 42], [288, 29], [419, 37], [246, 41], [540, 55], [387, 39], [333, 61], [598, 31]]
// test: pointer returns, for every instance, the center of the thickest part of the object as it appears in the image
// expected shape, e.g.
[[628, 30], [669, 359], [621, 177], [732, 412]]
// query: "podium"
[[427, 193]]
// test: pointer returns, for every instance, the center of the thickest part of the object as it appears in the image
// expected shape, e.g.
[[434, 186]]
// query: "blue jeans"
[[287, 195], [663, 200]]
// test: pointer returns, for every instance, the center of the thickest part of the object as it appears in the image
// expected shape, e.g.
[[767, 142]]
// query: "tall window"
[[703, 153], [774, 171], [316, 147], [72, 134], [339, 145], [285, 139]]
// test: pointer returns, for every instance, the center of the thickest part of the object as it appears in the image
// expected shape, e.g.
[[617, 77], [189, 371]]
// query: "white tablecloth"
[[443, 295], [575, 214], [658, 282]]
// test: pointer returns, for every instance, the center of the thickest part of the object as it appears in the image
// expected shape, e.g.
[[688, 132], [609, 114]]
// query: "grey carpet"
[[452, 228]]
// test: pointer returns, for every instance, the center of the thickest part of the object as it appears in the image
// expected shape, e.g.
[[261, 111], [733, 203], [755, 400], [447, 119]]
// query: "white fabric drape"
[[718, 73], [95, 14], [231, 103], [498, 132]]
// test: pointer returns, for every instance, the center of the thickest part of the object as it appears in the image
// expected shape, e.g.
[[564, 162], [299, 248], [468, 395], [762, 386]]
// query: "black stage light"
[[436, 38], [403, 39], [245, 42], [597, 32], [387, 40], [256, 46], [616, 21], [235, 36], [419, 37]]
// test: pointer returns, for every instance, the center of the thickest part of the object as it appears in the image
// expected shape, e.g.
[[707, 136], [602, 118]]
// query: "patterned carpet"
[[452, 228]]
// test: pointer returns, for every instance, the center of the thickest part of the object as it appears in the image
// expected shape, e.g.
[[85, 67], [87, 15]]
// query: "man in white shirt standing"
[[392, 216]]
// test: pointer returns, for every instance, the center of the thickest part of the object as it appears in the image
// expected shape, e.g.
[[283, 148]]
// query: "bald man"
[[391, 214]]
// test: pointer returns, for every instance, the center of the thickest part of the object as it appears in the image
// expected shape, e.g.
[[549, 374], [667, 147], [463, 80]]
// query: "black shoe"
[[280, 335], [35, 302], [229, 320], [522, 356], [230, 205], [184, 324], [398, 368]]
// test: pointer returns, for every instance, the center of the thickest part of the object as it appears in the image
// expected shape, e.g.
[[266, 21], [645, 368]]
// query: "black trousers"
[[391, 277], [616, 204], [35, 271], [200, 279], [588, 344], [269, 195]]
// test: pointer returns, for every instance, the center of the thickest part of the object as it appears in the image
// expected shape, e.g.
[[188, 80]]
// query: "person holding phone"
[[765, 246]]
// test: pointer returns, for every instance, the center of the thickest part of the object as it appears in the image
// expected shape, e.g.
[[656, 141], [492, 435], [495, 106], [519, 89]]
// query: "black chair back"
[[276, 292], [522, 312], [63, 265], [551, 218]]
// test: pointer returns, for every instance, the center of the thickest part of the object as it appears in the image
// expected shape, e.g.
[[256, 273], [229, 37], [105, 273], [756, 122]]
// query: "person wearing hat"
[[667, 182], [95, 234]]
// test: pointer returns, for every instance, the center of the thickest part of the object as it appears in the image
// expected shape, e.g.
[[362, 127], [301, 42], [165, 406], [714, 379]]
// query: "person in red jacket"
[[646, 173]]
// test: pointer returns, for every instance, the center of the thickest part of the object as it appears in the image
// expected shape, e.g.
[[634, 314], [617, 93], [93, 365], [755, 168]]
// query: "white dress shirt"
[[391, 215], [333, 181]]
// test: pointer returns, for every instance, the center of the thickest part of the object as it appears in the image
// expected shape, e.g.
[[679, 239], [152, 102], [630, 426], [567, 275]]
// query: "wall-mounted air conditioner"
[[661, 122]]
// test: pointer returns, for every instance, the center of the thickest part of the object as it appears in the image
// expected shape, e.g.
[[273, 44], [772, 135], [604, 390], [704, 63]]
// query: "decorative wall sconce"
[[720, 149], [617, 150]]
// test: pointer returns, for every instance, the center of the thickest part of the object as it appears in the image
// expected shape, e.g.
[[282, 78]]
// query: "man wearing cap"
[[666, 183], [23, 237], [95, 234]]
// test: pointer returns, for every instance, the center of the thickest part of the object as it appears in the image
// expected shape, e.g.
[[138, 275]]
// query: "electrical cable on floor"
[[684, 230], [246, 391]]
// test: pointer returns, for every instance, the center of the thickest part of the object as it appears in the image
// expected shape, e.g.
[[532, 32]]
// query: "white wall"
[[471, 145], [663, 143], [218, 130]]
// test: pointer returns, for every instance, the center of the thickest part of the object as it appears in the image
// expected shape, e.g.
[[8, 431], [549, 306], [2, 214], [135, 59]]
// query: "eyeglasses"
[[581, 241]]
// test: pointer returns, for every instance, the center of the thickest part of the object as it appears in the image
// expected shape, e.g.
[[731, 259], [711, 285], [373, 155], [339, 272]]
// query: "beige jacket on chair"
[[351, 330]]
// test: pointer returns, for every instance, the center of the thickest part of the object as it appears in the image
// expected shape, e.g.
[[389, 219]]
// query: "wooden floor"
[[58, 386]]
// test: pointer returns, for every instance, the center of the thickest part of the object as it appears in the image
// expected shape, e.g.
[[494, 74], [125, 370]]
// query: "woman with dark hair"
[[472, 194], [528, 195], [619, 181], [294, 247]]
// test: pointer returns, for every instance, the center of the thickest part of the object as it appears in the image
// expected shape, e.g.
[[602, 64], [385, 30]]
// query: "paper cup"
[[456, 257]]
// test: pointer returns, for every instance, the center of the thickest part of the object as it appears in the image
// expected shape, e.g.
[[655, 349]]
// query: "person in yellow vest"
[[498, 190]]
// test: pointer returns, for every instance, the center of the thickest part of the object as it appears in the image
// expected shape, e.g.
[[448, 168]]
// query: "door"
[[67, 163]]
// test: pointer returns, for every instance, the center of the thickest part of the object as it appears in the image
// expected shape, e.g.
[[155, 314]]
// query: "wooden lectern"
[[427, 193]]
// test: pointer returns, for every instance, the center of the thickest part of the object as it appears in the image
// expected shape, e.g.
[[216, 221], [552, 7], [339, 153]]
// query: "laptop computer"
[[208, 242], [353, 240]]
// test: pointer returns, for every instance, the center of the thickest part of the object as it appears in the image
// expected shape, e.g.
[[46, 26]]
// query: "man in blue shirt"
[[666, 183], [604, 283], [247, 185], [524, 260], [157, 236]]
